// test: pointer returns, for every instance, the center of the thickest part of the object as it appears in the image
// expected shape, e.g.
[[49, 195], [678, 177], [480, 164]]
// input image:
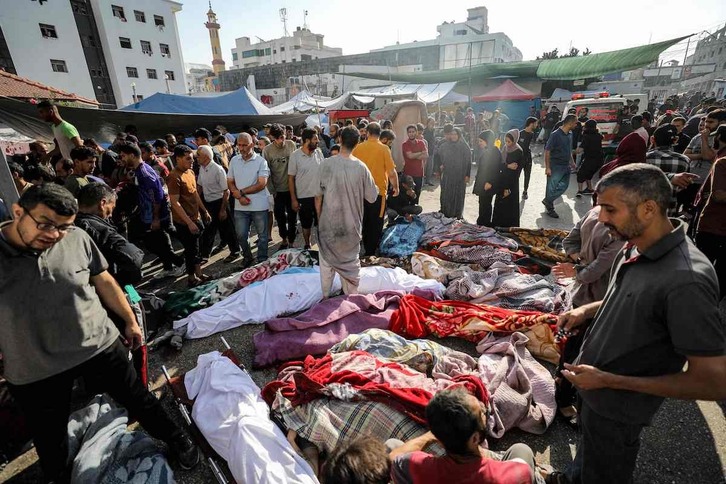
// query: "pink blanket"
[[322, 326]]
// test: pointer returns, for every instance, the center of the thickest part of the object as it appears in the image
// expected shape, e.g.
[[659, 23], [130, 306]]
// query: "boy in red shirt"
[[415, 154]]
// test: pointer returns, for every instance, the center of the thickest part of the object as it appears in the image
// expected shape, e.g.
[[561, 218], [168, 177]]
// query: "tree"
[[554, 54]]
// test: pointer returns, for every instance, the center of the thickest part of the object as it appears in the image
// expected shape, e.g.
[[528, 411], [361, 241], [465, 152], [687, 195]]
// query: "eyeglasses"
[[48, 226]]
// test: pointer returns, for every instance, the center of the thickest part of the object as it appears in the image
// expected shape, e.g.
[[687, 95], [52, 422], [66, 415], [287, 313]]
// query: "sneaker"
[[232, 257], [178, 272], [524, 195], [551, 212], [186, 453], [579, 194]]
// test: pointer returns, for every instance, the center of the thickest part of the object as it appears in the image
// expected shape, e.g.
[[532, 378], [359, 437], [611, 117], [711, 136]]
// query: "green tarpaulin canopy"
[[567, 68]]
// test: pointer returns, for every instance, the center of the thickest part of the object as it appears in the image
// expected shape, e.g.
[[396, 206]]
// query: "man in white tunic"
[[345, 182]]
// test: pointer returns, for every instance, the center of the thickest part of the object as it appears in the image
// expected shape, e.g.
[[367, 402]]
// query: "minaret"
[[213, 26]]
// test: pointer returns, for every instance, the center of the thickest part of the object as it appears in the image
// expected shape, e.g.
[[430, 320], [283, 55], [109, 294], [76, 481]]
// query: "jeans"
[[191, 243], [372, 226], [243, 219], [158, 242], [225, 228], [557, 184], [607, 450], [286, 217], [527, 170], [47, 404]]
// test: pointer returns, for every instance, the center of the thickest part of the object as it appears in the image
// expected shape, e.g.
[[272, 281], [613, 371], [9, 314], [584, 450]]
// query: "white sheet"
[[289, 292], [234, 419]]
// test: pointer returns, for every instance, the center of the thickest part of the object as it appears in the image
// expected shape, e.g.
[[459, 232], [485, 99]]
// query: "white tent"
[[304, 102], [426, 93]]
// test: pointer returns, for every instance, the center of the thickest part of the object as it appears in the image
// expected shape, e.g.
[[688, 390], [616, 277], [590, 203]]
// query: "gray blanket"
[[101, 450]]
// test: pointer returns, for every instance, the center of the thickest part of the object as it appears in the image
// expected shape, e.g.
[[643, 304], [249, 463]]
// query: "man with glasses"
[[47, 346]]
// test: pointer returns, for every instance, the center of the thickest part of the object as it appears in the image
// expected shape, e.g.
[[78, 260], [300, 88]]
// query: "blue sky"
[[532, 26]]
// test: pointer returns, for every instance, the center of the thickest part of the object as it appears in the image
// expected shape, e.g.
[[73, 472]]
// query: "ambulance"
[[603, 108]]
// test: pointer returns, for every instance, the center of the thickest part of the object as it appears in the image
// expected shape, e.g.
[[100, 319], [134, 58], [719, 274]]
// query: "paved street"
[[686, 444]]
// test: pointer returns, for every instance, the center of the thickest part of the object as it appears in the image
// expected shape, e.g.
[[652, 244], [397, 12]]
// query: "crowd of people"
[[342, 185]]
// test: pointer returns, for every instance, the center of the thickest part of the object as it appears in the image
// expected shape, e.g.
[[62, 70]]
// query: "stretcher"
[[184, 404]]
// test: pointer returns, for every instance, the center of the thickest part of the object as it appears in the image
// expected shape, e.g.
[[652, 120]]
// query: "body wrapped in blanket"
[[235, 421], [357, 375], [418, 318]]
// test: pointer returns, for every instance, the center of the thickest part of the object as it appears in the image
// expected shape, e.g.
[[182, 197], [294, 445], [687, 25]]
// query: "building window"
[[151, 73], [268, 51], [159, 21], [169, 75], [164, 49], [132, 72], [282, 49], [274, 51], [58, 65], [296, 47], [48, 31], [140, 16], [146, 47], [305, 57], [118, 12], [79, 7], [460, 32], [139, 97], [234, 56], [125, 42]]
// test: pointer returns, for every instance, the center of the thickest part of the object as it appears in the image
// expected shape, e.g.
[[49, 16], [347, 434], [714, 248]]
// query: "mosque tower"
[[213, 26]]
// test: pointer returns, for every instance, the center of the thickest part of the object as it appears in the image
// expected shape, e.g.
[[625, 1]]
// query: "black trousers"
[[47, 404], [418, 180], [607, 450], [714, 247], [225, 228], [192, 245], [372, 226], [485, 208], [565, 392], [286, 217], [527, 168], [159, 243]]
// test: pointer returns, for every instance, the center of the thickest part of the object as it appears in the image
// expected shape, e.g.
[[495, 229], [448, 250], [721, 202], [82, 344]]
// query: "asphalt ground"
[[685, 444]]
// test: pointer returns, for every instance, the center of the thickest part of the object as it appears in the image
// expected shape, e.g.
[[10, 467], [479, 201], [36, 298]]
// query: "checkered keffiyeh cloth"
[[329, 423]]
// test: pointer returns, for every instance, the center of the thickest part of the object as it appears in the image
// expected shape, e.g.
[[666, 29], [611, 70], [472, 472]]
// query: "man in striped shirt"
[[673, 164]]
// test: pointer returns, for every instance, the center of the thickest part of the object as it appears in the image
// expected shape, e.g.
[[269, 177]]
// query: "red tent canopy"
[[506, 91]]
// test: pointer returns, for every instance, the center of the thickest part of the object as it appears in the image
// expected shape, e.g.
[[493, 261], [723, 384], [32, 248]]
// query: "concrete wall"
[[31, 52], [111, 28]]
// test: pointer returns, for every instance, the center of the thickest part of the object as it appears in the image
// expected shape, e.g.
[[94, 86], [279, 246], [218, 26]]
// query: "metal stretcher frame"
[[211, 456]]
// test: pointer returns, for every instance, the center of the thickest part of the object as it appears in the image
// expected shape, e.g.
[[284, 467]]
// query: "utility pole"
[[685, 56]]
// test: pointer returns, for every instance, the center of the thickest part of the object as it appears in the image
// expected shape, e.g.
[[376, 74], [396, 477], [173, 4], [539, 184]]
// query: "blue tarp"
[[239, 102], [517, 111]]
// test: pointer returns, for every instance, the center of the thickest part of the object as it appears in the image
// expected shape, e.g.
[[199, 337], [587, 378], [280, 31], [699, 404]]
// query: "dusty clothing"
[[278, 159], [591, 241], [345, 183], [455, 158]]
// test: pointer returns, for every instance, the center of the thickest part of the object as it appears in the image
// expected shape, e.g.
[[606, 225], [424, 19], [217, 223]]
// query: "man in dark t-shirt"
[[660, 312]]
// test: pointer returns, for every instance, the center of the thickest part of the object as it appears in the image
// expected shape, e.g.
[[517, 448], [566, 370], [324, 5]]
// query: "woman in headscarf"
[[631, 149], [592, 157], [488, 171], [455, 169], [506, 207]]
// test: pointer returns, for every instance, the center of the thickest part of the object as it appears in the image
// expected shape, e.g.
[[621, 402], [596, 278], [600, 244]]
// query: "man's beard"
[[630, 230]]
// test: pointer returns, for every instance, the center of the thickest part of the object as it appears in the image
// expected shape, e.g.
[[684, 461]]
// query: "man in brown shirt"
[[186, 208]]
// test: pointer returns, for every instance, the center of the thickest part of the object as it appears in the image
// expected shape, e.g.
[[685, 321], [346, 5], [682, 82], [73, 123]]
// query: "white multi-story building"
[[197, 77], [467, 43], [302, 45], [116, 51]]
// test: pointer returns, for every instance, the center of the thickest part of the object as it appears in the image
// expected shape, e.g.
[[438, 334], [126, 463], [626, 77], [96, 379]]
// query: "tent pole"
[[471, 52]]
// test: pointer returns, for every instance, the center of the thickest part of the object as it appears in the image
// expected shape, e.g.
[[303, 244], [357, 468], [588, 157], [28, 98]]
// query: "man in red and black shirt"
[[415, 153]]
